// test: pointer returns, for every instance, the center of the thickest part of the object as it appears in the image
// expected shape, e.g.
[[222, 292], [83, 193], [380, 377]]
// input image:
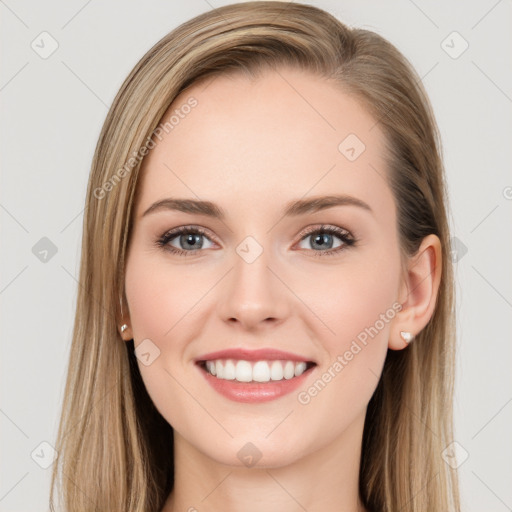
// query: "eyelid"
[[324, 227], [190, 228]]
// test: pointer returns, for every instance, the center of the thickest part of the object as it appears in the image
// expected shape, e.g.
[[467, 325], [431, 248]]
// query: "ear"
[[418, 291]]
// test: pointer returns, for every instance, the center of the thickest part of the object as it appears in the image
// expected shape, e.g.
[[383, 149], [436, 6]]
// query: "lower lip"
[[254, 392]]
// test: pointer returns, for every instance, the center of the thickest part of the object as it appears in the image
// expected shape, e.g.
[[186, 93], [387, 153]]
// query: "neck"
[[326, 480]]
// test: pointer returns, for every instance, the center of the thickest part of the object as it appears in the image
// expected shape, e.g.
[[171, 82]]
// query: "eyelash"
[[344, 235]]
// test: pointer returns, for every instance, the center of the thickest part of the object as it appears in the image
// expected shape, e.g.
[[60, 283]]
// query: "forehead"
[[284, 135]]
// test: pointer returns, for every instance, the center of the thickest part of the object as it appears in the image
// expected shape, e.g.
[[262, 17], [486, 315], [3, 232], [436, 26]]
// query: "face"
[[275, 272]]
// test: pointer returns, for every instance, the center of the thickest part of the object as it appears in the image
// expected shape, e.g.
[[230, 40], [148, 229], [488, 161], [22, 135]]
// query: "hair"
[[115, 450]]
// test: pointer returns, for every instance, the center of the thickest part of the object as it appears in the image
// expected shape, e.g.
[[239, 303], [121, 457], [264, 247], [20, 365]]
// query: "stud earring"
[[406, 336], [124, 326]]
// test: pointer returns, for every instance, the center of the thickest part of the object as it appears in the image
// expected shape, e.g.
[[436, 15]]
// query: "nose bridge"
[[253, 294]]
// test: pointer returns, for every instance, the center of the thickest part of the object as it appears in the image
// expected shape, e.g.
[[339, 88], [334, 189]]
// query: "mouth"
[[252, 376], [260, 371]]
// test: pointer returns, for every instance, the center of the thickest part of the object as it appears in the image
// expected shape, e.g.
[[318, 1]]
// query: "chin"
[[261, 454]]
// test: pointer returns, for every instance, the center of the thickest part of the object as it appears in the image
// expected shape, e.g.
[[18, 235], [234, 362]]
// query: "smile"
[[255, 371], [253, 376]]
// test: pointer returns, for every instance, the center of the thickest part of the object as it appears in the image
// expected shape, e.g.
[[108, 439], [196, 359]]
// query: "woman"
[[265, 316]]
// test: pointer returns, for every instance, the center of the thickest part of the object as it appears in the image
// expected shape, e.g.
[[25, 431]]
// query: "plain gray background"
[[53, 109]]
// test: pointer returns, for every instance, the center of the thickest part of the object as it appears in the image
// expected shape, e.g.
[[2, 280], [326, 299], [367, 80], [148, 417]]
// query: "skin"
[[252, 146]]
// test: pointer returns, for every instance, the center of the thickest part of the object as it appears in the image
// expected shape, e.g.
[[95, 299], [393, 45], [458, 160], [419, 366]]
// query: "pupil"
[[323, 243], [189, 239]]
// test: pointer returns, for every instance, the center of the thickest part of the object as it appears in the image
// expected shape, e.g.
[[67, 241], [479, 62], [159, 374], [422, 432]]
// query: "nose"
[[253, 295]]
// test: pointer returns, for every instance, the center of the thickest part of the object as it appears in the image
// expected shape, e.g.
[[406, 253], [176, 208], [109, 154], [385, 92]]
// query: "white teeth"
[[300, 368], [229, 371], [276, 371], [259, 371], [243, 371], [289, 370], [219, 370], [210, 366]]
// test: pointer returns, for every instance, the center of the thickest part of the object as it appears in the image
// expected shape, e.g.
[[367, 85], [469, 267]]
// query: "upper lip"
[[261, 354]]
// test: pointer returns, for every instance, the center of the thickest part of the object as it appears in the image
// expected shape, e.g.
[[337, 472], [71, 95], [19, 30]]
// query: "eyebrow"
[[293, 208]]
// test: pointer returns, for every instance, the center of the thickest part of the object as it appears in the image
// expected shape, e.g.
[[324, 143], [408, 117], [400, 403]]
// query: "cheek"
[[167, 304], [356, 307], [359, 312], [159, 296], [161, 299]]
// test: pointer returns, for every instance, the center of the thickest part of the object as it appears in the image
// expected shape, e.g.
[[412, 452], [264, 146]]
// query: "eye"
[[188, 239], [321, 240]]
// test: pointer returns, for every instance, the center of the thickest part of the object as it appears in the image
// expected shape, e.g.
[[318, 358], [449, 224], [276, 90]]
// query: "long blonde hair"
[[115, 451]]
